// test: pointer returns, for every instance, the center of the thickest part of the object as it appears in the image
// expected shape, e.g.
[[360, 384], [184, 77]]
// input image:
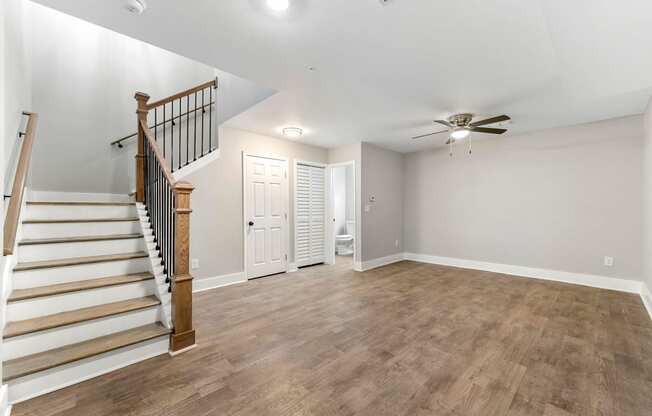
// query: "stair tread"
[[61, 288], [83, 220], [27, 326], [78, 239], [46, 360], [81, 203], [74, 261]]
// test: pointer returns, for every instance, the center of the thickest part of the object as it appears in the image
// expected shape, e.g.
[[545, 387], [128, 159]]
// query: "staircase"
[[86, 298], [102, 284]]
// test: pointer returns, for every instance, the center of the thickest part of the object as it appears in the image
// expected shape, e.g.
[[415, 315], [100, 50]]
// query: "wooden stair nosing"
[[77, 261], [79, 239], [46, 360], [82, 203], [77, 286], [79, 220], [42, 323]]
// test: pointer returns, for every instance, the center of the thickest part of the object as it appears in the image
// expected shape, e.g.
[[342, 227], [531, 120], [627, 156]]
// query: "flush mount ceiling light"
[[135, 6], [292, 132], [278, 5]]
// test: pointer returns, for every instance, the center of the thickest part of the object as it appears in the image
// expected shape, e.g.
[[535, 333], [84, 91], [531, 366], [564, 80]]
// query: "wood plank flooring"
[[405, 339]]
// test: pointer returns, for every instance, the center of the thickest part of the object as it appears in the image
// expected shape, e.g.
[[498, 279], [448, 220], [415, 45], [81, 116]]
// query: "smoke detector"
[[135, 6]]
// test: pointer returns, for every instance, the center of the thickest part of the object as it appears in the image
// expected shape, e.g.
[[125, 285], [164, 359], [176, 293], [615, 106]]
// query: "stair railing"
[[18, 188], [166, 200]]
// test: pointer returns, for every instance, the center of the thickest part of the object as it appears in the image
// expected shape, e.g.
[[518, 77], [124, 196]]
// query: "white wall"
[[559, 199], [84, 92], [382, 220], [217, 222]]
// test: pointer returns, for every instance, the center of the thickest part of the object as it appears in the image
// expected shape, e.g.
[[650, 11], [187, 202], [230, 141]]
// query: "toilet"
[[344, 242]]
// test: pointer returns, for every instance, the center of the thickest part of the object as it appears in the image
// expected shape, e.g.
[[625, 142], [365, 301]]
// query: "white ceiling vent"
[[135, 6]]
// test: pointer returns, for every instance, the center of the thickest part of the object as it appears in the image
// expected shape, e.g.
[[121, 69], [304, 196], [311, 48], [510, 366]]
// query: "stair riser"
[[56, 378], [36, 342], [49, 305], [54, 275], [79, 211], [79, 229], [38, 252]]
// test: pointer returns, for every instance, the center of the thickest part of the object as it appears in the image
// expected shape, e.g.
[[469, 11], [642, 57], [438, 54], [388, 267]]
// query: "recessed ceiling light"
[[278, 5], [135, 6], [292, 132]]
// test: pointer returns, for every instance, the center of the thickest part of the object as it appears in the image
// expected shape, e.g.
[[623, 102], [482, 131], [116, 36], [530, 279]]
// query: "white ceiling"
[[383, 73]]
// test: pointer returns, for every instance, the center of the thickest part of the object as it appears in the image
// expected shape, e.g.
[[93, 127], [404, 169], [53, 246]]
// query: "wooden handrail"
[[178, 95], [157, 152], [18, 188]]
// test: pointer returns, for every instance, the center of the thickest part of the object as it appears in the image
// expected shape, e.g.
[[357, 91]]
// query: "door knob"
[[251, 223]]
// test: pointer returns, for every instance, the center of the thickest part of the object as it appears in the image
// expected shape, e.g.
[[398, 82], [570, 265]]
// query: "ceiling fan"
[[461, 125]]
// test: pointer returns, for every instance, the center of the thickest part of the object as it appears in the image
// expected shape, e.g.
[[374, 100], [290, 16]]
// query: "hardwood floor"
[[406, 339]]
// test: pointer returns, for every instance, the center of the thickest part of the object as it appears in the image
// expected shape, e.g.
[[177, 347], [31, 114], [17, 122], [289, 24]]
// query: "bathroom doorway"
[[342, 214]]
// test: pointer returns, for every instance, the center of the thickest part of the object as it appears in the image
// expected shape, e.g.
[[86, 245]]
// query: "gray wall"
[[559, 199], [216, 222], [382, 224], [85, 95], [647, 202]]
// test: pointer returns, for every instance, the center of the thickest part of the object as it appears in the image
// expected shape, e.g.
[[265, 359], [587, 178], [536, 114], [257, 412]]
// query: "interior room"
[[351, 208]]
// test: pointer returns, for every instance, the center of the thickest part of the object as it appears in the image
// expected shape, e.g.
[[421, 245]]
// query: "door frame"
[[330, 209], [286, 205], [294, 202]]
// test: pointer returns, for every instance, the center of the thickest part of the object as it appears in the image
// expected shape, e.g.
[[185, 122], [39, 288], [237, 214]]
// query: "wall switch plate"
[[608, 261], [195, 263]]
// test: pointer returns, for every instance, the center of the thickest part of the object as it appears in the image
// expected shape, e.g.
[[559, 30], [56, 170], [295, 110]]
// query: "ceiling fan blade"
[[491, 120], [444, 122], [429, 134], [488, 130]]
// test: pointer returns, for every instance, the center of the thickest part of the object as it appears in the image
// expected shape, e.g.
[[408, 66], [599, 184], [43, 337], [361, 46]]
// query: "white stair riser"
[[54, 275], [79, 229], [36, 342], [79, 211], [56, 378], [36, 252], [49, 305]]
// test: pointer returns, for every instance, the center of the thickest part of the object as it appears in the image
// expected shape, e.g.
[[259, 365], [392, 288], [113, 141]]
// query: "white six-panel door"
[[265, 216], [310, 214]]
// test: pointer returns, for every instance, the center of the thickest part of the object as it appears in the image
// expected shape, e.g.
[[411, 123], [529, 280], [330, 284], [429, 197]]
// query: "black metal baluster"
[[179, 165], [203, 110], [187, 128], [210, 119], [172, 138], [156, 125], [164, 155], [195, 129]]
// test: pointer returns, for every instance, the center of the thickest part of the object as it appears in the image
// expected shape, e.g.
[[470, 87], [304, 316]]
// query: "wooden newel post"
[[142, 111], [183, 335]]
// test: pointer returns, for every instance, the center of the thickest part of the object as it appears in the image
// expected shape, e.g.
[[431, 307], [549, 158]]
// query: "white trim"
[[379, 262], [286, 201], [293, 268], [330, 230], [196, 165], [210, 283], [601, 282], [646, 297], [294, 203], [5, 408]]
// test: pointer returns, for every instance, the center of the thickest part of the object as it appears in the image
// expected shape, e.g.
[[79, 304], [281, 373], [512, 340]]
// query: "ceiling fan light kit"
[[460, 126]]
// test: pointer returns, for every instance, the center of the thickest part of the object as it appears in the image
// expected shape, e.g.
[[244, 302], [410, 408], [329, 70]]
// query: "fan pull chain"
[[450, 144], [470, 145]]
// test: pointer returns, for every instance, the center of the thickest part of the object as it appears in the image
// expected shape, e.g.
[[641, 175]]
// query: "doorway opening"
[[342, 233]]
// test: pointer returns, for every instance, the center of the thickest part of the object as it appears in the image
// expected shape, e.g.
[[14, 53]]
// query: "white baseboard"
[[646, 297], [5, 408], [292, 267], [379, 262], [602, 282], [209, 283]]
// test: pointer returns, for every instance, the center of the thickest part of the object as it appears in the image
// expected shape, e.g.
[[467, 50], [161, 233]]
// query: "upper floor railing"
[[18, 187]]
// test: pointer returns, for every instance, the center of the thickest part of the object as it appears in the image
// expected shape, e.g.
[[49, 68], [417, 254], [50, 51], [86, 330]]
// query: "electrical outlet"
[[195, 264], [608, 261]]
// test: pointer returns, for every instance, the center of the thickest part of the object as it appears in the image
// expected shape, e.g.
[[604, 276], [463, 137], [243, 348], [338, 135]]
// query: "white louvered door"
[[310, 214]]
